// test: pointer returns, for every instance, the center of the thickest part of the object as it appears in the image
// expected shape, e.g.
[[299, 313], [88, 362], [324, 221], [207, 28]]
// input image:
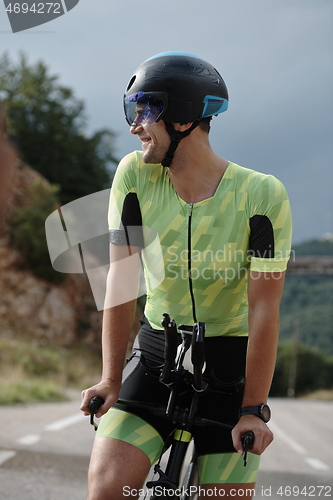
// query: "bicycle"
[[168, 482]]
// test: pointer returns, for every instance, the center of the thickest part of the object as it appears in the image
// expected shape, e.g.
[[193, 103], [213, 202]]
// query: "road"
[[301, 455], [45, 448], [44, 451]]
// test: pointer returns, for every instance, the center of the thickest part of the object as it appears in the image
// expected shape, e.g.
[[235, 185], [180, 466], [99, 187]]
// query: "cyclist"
[[224, 232]]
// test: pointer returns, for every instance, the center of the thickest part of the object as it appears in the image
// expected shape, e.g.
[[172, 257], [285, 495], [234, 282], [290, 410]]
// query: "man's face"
[[155, 141]]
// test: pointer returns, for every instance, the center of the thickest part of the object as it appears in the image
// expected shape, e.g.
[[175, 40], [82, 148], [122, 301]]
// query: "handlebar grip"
[[95, 403], [248, 440]]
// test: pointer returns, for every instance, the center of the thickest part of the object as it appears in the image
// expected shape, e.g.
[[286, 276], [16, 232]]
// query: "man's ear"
[[181, 127]]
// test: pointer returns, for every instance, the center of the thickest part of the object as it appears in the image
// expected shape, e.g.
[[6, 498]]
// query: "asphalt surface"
[[45, 449], [299, 461]]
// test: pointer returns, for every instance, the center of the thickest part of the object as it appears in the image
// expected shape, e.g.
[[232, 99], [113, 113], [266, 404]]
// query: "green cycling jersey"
[[203, 252]]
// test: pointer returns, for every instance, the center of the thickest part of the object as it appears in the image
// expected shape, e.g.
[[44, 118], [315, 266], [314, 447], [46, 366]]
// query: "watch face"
[[266, 413]]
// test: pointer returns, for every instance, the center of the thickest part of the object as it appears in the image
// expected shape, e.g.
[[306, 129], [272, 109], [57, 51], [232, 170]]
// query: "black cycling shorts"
[[225, 372]]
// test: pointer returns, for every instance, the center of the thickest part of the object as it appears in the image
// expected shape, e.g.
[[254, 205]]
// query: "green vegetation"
[[47, 123], [305, 354], [302, 369], [28, 232], [308, 303], [32, 372], [307, 311], [315, 247], [30, 391]]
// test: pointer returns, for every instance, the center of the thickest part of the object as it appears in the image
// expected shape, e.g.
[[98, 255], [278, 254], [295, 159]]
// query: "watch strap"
[[250, 410], [257, 410]]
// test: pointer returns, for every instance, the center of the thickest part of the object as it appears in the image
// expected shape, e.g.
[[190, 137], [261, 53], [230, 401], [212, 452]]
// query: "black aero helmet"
[[175, 87], [182, 88]]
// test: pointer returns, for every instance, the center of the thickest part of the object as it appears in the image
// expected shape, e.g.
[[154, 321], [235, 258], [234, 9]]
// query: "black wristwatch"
[[262, 411]]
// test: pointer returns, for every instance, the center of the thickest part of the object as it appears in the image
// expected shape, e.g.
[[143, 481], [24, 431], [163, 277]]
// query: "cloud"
[[275, 57]]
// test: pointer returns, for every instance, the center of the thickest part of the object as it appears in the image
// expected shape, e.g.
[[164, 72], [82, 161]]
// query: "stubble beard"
[[154, 154]]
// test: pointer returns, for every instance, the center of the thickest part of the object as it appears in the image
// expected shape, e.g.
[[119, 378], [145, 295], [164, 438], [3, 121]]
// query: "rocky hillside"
[[52, 313]]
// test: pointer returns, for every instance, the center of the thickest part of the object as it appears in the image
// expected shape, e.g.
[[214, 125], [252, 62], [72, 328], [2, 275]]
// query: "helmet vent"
[[213, 105], [132, 80]]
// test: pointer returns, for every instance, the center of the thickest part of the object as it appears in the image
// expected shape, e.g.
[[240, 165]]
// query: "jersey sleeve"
[[270, 227], [124, 216]]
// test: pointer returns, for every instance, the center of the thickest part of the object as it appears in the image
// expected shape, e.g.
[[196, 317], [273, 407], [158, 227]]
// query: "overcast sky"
[[275, 57]]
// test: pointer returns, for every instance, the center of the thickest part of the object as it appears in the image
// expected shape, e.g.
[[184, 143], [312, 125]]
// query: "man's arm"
[[264, 296], [118, 317]]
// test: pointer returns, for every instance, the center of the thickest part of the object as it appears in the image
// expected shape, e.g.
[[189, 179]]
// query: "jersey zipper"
[[189, 259]]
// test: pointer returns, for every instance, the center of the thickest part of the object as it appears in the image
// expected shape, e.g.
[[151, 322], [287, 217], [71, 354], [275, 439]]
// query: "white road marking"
[[315, 463], [6, 455], [65, 422], [29, 439], [288, 439]]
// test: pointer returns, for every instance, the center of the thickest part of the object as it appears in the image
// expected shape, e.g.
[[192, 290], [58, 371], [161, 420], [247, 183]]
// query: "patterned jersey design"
[[245, 225]]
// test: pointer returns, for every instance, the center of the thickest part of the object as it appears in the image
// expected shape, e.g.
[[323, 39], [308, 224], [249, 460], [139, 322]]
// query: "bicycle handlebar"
[[198, 355], [169, 376], [95, 403], [179, 416], [170, 350], [248, 441]]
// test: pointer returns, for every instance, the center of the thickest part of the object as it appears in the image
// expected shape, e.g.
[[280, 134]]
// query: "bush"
[[308, 301], [314, 370], [30, 391], [32, 372], [28, 231]]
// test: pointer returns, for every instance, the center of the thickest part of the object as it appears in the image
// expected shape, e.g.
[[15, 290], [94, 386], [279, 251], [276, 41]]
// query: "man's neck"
[[196, 177]]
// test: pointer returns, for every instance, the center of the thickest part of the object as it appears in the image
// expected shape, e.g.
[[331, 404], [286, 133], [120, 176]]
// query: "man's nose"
[[136, 128]]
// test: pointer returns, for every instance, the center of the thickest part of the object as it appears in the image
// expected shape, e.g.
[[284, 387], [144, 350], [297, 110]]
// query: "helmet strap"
[[176, 137]]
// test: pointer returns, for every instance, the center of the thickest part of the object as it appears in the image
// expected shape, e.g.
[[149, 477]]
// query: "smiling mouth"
[[145, 141]]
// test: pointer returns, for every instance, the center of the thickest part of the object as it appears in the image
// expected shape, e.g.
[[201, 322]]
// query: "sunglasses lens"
[[142, 109]]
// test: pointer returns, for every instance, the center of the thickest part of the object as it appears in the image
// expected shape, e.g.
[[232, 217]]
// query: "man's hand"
[[263, 436], [106, 390]]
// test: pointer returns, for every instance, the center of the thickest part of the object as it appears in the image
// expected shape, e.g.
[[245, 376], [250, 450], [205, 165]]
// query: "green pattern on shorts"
[[228, 468], [127, 427]]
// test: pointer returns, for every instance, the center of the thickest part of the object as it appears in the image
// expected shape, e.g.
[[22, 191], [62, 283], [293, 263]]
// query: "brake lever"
[[95, 403], [248, 441]]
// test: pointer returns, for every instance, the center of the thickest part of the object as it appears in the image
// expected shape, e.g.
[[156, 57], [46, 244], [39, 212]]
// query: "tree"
[[314, 370], [47, 122], [28, 231]]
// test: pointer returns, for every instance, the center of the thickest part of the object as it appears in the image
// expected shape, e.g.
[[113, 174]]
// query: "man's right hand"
[[106, 390]]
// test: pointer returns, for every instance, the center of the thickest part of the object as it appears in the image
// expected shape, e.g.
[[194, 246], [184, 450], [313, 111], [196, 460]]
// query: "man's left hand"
[[263, 436]]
